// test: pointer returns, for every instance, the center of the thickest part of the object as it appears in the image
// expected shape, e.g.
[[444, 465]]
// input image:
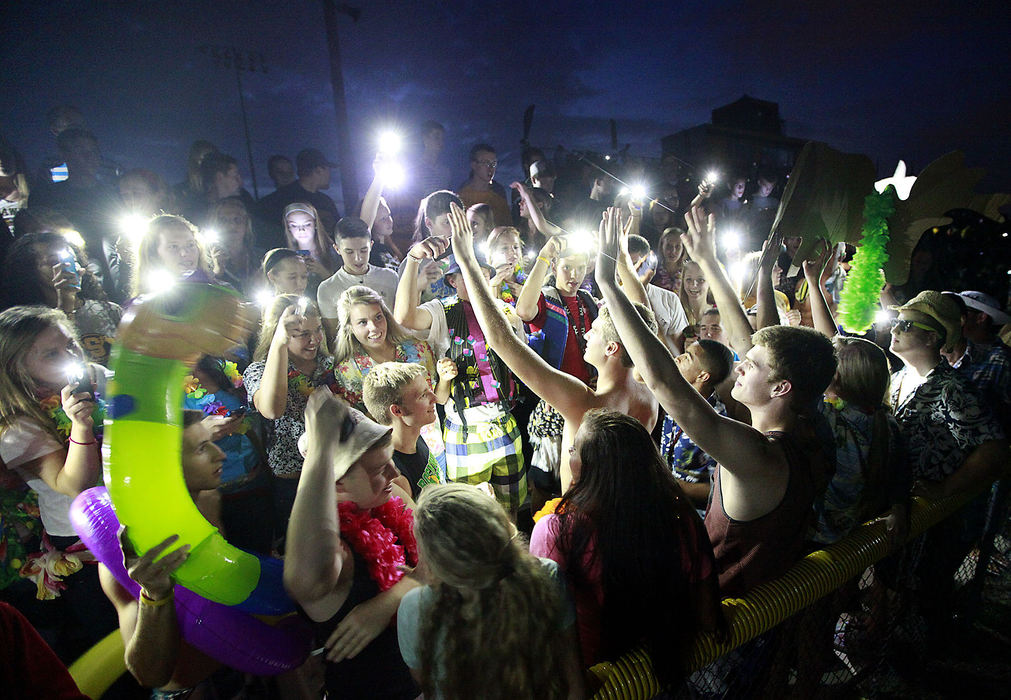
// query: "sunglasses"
[[904, 325]]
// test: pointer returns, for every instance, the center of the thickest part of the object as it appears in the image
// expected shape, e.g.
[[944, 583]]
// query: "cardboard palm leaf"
[[824, 198], [943, 185]]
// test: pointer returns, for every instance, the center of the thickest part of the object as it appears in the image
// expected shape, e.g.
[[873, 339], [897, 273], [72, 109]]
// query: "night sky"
[[890, 80]]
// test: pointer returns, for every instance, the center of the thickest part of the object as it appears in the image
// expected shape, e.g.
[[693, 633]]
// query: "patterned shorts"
[[492, 451]]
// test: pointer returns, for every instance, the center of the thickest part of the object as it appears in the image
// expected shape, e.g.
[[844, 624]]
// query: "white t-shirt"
[[380, 279], [24, 441], [670, 314]]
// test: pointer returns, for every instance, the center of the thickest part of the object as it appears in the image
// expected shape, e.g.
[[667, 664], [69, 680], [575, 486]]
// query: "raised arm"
[[814, 271], [562, 391], [272, 396], [630, 282], [526, 303], [314, 557], [734, 445], [536, 215], [148, 626], [407, 309], [768, 314], [370, 204], [700, 243]]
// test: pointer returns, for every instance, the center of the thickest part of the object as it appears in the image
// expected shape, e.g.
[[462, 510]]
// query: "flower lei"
[[50, 566], [375, 535], [207, 401], [54, 409], [549, 508], [299, 382], [859, 298]]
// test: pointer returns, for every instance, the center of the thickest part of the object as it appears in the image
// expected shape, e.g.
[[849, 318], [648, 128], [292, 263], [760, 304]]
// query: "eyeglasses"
[[904, 325], [488, 163]]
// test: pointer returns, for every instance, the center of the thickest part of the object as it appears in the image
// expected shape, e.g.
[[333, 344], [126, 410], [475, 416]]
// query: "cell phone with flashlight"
[[79, 377], [237, 412]]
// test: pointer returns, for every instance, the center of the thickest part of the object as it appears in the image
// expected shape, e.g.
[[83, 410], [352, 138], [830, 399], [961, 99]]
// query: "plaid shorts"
[[492, 451]]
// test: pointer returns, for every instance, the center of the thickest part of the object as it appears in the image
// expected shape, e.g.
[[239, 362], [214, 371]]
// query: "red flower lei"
[[375, 535]]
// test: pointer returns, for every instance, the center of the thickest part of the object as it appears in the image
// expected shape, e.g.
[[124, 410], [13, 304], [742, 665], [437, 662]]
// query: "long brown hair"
[[495, 621], [20, 326], [346, 344]]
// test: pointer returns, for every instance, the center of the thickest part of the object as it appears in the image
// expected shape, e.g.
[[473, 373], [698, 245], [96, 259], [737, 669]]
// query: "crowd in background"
[[585, 406]]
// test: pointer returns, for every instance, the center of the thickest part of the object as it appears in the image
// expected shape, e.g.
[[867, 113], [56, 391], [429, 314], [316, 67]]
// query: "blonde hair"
[[492, 601], [609, 334], [147, 251], [384, 386], [345, 344], [271, 316], [20, 326], [500, 232]]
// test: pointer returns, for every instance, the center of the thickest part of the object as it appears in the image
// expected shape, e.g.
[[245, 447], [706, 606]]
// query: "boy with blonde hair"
[[399, 394]]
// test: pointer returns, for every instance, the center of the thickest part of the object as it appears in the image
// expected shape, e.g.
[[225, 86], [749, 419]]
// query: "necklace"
[[54, 409], [383, 537]]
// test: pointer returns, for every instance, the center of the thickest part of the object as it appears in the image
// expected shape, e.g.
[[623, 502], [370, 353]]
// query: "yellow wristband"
[[149, 602], [546, 261]]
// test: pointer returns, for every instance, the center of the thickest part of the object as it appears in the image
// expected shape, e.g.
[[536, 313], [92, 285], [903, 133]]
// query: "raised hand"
[[463, 235], [78, 407], [155, 575], [325, 418], [609, 235], [700, 240], [431, 248]]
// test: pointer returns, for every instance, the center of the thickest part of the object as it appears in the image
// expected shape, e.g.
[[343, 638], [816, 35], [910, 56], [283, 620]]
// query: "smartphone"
[[237, 412], [79, 377], [304, 252]]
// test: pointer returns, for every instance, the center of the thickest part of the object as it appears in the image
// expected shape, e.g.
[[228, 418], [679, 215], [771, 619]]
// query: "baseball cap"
[[309, 159], [359, 434]]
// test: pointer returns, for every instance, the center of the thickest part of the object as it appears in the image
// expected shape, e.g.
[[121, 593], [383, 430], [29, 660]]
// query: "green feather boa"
[[859, 300]]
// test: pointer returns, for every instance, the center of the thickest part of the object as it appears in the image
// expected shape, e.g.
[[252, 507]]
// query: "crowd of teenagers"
[[553, 425]]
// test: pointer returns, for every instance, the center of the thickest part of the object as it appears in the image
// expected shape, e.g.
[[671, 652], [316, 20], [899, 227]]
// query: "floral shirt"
[[664, 279], [944, 419], [282, 444], [686, 459], [348, 375]]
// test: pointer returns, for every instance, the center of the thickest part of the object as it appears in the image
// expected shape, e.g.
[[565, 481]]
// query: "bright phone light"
[[132, 227], [732, 240], [580, 241], [161, 281], [263, 298], [302, 306], [210, 236], [390, 142], [712, 177], [638, 192], [881, 317], [393, 174]]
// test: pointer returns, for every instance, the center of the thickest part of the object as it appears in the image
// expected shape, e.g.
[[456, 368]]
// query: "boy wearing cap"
[[349, 538], [483, 441], [353, 242], [955, 442], [981, 355]]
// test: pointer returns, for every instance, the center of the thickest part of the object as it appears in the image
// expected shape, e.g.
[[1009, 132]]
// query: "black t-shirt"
[[271, 209], [413, 466]]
